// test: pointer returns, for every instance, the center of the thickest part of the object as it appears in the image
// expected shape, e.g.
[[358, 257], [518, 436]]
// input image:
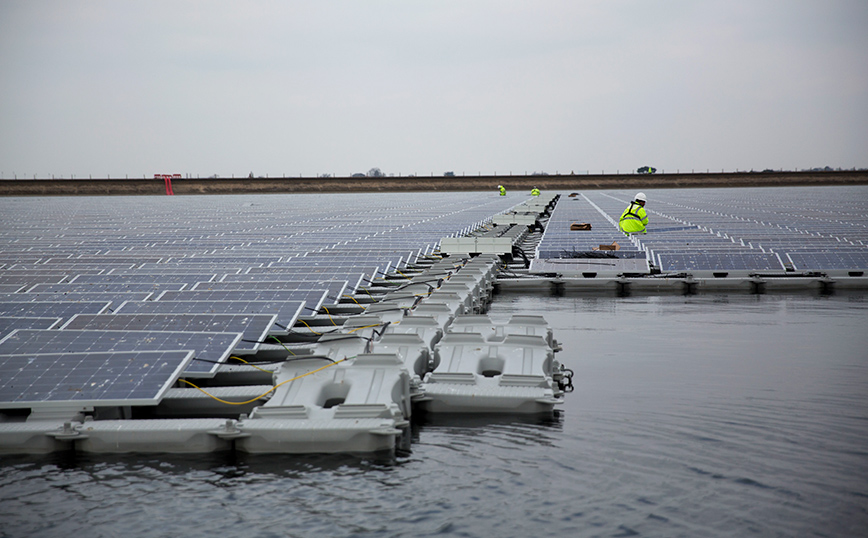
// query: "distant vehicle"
[[646, 170], [449, 174], [359, 174], [169, 176]]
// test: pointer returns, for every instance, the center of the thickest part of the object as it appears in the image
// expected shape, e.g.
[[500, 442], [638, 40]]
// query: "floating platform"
[[135, 342]]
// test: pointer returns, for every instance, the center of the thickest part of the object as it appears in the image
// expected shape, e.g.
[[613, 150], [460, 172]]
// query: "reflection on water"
[[726, 415]]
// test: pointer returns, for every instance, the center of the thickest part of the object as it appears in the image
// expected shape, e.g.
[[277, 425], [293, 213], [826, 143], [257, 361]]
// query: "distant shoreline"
[[290, 185]]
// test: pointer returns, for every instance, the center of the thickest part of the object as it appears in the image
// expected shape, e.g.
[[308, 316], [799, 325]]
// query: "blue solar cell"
[[721, 262], [253, 327], [287, 312], [312, 299], [816, 261], [63, 310], [209, 347], [123, 378], [10, 324]]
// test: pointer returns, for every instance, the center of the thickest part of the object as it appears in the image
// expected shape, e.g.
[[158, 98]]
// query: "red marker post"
[[167, 178]]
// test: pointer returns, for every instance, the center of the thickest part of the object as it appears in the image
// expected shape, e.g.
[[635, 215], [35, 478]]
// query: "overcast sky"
[[414, 86]]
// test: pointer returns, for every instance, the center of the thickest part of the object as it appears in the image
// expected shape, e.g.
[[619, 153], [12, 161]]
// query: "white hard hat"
[[640, 197]]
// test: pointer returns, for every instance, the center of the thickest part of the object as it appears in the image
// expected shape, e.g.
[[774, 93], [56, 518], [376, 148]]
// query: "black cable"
[[268, 361], [347, 337]]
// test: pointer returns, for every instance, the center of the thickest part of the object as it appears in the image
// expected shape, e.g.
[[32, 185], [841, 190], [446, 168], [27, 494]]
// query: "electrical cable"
[[329, 315], [266, 393]]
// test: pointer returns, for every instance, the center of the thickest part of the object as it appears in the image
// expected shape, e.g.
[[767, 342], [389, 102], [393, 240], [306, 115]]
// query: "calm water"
[[736, 415]]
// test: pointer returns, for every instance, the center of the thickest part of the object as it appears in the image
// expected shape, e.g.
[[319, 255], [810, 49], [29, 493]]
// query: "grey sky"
[[144, 87]]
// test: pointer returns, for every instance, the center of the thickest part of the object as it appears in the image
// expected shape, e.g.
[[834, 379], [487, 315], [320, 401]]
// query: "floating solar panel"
[[590, 254], [89, 379], [45, 309], [287, 312], [10, 324], [351, 277], [105, 288], [113, 299], [11, 288], [816, 261], [80, 268], [312, 299], [253, 327], [31, 279], [736, 261], [335, 288], [210, 348], [143, 277]]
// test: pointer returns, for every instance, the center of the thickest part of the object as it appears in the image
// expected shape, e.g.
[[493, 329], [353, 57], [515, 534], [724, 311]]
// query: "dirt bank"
[[65, 187]]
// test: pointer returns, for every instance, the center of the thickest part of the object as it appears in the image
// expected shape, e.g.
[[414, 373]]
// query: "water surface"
[[706, 415]]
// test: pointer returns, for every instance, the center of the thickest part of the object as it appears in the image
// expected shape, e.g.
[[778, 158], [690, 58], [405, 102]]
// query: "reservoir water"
[[729, 415]]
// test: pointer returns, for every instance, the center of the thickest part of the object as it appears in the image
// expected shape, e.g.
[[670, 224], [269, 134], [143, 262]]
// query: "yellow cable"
[[264, 394], [365, 327], [354, 299], [251, 365], [329, 314], [309, 327]]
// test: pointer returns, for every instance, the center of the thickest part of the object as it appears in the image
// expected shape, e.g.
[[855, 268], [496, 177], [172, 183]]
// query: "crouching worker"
[[634, 219]]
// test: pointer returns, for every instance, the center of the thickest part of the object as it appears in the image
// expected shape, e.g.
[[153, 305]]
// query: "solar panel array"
[[728, 231], [560, 241], [108, 288], [118, 278]]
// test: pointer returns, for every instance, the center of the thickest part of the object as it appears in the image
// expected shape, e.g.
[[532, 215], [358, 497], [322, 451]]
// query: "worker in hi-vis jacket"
[[634, 219]]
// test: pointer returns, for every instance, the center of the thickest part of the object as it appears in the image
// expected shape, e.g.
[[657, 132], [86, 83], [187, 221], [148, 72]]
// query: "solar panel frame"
[[12, 288], [727, 262], [313, 299], [844, 261], [9, 324], [143, 277], [89, 379], [287, 312], [41, 309], [253, 327], [211, 348], [334, 288], [105, 288]]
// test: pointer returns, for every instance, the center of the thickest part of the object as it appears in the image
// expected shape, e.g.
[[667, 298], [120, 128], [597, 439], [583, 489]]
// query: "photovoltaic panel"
[[86, 379], [253, 327], [351, 279], [44, 309], [815, 261], [143, 277], [31, 279], [736, 261], [287, 312], [210, 347], [9, 324], [85, 287], [11, 288], [334, 288], [114, 299], [312, 299], [84, 267]]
